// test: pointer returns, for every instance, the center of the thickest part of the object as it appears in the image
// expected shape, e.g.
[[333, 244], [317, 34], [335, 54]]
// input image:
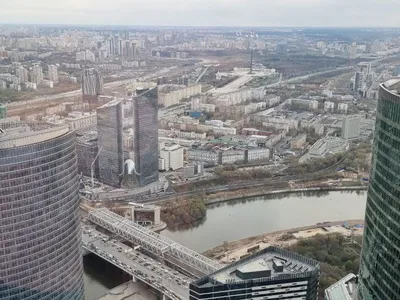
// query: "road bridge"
[[181, 257], [170, 283]]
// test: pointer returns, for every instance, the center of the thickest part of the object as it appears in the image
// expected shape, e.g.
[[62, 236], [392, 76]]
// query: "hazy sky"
[[370, 13]]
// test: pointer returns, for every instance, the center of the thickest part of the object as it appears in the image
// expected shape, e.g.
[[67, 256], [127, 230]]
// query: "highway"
[[137, 264]]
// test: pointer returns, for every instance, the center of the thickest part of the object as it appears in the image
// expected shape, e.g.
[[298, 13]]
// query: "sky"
[[302, 13]]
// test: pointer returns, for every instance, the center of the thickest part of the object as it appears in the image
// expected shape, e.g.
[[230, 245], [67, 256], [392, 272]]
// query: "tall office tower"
[[271, 273], [145, 135], [40, 238], [127, 49], [351, 127], [110, 142], [380, 256], [358, 82], [134, 50], [22, 74], [281, 49], [53, 73], [37, 74], [92, 84], [119, 46], [111, 46]]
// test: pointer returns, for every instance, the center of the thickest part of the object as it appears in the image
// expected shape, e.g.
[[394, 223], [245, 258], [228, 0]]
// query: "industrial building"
[[40, 252], [110, 142], [379, 270], [345, 288], [145, 135], [271, 273]]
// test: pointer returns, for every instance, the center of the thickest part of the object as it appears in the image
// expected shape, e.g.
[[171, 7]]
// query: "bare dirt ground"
[[233, 251]]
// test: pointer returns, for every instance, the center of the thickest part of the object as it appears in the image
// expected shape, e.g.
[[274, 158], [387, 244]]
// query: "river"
[[247, 217]]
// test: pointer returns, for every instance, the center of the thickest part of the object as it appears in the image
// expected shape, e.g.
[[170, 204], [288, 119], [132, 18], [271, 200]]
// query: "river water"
[[243, 218]]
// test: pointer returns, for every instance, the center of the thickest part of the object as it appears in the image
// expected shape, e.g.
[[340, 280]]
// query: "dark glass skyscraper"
[[145, 135], [380, 258], [110, 142], [40, 238]]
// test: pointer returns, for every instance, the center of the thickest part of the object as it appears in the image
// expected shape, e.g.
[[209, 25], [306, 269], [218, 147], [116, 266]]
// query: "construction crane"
[[92, 167]]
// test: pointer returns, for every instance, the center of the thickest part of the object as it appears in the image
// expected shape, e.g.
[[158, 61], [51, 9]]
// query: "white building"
[[53, 73], [171, 157], [47, 83], [85, 55], [22, 74], [329, 106], [169, 95], [351, 127], [258, 154], [77, 119], [37, 74]]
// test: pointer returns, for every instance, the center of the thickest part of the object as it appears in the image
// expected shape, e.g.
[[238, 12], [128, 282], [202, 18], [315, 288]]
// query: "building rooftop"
[[344, 289], [15, 134], [268, 264]]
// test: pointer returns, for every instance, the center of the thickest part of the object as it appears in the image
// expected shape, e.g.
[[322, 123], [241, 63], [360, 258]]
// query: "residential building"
[[53, 73], [145, 135], [110, 142], [329, 106], [343, 107], [351, 127], [172, 155], [271, 273], [305, 103], [240, 96], [37, 74], [379, 265], [22, 74], [86, 55], [92, 84], [41, 254], [169, 95]]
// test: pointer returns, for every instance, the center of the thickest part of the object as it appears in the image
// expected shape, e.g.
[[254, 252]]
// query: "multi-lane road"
[[174, 284]]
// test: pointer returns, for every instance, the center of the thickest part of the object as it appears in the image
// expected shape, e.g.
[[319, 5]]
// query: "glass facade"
[[145, 126], [40, 251], [110, 143], [380, 258]]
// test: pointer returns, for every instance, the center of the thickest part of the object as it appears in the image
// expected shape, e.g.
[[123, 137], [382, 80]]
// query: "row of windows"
[[39, 149], [31, 154], [45, 191], [45, 178], [34, 242], [381, 246], [40, 254]]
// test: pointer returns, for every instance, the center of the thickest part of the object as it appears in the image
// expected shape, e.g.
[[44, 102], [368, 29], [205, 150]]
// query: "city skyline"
[[302, 13]]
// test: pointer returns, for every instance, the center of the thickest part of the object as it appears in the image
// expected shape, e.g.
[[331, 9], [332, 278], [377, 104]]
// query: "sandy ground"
[[233, 251]]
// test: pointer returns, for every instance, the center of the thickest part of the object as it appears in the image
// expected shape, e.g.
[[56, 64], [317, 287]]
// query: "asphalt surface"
[[137, 264]]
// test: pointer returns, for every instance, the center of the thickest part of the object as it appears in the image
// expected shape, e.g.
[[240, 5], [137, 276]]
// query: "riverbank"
[[245, 193], [235, 250]]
